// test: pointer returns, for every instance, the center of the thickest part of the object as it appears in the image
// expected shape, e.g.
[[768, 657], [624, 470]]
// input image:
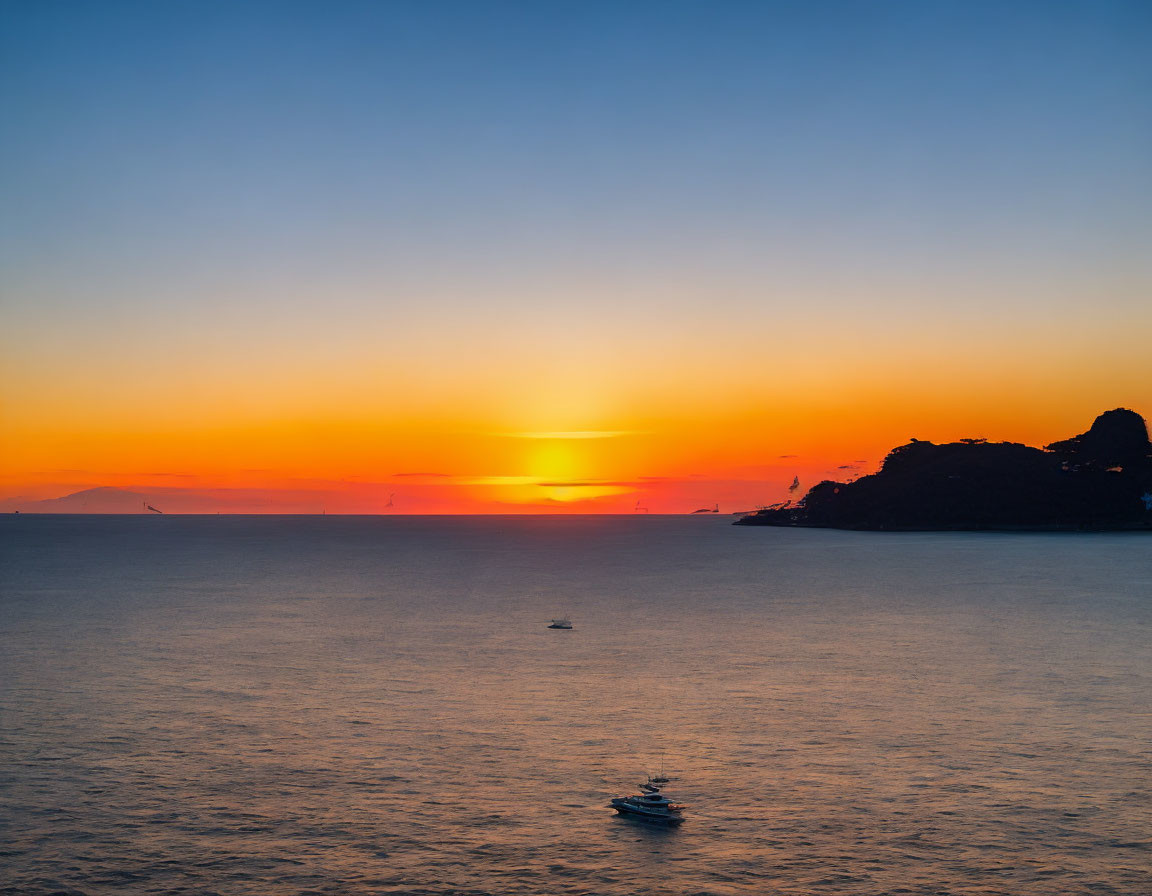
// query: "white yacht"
[[651, 806]]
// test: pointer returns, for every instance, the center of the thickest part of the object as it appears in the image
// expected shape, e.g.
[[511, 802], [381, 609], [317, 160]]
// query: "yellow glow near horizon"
[[487, 442]]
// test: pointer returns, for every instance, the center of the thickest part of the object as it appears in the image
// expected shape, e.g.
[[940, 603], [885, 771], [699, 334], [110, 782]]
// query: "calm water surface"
[[243, 705]]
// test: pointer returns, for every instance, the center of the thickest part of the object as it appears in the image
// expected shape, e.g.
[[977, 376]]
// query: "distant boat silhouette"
[[660, 778], [795, 484], [715, 509], [564, 623]]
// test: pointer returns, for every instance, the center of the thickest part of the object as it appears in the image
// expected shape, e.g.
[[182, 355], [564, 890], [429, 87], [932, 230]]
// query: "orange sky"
[[479, 415], [739, 450]]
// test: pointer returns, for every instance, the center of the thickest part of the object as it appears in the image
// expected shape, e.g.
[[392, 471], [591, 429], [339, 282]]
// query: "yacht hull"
[[654, 817]]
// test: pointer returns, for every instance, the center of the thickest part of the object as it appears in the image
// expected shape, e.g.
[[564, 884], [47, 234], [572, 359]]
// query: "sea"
[[315, 705]]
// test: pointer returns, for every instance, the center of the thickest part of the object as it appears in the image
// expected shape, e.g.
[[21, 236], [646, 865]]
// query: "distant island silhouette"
[[103, 500], [1100, 480]]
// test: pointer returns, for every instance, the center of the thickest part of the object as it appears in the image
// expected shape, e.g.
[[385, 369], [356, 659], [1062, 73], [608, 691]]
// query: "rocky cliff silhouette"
[[1099, 480]]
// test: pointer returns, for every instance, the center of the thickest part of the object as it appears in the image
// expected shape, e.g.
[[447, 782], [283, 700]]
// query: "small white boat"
[[652, 806], [564, 623]]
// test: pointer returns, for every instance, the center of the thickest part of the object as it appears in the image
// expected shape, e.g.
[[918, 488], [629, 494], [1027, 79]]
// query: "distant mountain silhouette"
[[1099, 480], [92, 500]]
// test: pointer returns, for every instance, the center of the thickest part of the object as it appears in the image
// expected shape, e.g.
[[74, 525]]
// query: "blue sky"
[[248, 131]]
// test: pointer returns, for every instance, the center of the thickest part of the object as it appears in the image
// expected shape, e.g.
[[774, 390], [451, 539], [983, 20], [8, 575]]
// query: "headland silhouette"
[[1100, 480]]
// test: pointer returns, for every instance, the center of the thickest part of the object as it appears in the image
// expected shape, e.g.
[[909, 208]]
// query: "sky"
[[491, 257]]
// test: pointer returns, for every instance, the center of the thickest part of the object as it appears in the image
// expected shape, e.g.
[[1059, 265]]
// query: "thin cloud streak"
[[590, 483], [574, 434]]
